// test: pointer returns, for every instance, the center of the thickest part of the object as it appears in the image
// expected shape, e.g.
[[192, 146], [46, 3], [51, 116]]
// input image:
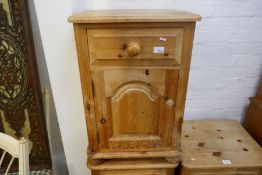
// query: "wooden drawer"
[[134, 167], [135, 46]]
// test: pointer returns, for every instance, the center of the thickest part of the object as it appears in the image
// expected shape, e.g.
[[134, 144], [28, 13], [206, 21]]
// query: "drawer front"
[[135, 44], [135, 108]]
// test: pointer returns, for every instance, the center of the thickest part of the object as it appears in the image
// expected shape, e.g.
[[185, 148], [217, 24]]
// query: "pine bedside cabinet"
[[134, 67]]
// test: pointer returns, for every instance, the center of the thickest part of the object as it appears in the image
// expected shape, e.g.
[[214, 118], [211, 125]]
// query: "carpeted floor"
[[38, 172]]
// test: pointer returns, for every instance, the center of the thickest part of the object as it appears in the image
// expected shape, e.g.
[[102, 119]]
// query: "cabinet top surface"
[[127, 16], [211, 143]]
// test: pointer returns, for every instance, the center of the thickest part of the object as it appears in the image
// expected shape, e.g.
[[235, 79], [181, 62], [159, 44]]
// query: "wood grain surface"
[[219, 147], [137, 15]]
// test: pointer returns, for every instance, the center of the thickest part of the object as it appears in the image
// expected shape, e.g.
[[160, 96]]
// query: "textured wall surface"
[[57, 37], [226, 63]]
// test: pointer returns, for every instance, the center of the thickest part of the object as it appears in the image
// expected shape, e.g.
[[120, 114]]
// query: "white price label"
[[226, 162], [159, 49]]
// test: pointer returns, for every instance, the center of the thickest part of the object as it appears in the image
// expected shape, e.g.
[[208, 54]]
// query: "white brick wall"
[[227, 55], [227, 59]]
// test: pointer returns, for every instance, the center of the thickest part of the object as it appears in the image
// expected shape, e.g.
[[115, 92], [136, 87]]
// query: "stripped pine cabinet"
[[134, 67]]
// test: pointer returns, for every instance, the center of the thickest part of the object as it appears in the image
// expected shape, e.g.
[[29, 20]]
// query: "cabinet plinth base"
[[134, 166], [174, 155]]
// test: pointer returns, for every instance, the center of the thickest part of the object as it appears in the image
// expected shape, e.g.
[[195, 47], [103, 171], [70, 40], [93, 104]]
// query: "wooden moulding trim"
[[138, 154], [170, 67], [120, 138], [132, 164], [135, 15], [136, 64]]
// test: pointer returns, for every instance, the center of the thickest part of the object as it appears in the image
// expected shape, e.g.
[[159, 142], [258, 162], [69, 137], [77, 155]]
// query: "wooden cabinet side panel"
[[253, 120], [182, 82], [83, 61], [167, 108], [259, 93], [102, 114]]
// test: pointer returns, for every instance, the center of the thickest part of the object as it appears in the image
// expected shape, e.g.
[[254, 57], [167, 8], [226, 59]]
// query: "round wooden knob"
[[170, 102], [133, 49]]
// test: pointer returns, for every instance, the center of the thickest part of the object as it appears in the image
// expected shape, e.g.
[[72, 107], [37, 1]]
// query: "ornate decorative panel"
[[21, 113]]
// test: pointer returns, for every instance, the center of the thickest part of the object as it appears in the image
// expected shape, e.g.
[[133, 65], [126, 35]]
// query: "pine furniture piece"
[[219, 147], [253, 120], [17, 149], [134, 67], [259, 92]]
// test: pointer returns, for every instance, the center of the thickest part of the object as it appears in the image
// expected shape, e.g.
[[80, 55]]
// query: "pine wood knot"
[[244, 149], [216, 154], [124, 46], [201, 144]]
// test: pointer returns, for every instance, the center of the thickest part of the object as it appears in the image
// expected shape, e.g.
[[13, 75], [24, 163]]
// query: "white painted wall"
[[59, 48], [226, 66]]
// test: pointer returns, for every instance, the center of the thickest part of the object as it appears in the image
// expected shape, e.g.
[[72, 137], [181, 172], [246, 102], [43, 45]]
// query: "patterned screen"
[[21, 113]]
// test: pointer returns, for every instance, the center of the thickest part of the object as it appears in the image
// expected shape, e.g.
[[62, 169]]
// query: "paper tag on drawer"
[[162, 39], [159, 49]]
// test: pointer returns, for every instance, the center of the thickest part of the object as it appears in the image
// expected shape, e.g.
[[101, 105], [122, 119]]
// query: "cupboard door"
[[135, 108]]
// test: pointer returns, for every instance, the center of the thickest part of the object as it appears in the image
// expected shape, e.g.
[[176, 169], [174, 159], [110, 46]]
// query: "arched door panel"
[[134, 110]]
